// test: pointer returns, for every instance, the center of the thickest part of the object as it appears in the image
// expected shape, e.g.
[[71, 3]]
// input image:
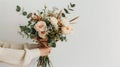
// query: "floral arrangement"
[[46, 27]]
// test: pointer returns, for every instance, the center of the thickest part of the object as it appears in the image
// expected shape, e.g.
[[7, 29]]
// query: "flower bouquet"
[[46, 27]]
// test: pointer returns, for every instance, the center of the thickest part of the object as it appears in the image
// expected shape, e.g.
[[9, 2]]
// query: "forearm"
[[18, 57]]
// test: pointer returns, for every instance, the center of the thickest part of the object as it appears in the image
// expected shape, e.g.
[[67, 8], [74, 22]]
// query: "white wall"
[[95, 41]]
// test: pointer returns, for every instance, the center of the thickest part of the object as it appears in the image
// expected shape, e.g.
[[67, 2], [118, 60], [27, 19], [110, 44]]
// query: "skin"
[[45, 51]]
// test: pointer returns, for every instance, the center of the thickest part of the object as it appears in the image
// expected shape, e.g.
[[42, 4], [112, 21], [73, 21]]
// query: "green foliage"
[[72, 5], [24, 13], [29, 15], [32, 36], [28, 31], [18, 8], [29, 23], [63, 15], [52, 43], [41, 12], [63, 38], [68, 9]]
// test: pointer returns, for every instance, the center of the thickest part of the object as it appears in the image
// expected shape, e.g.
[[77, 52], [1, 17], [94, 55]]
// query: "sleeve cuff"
[[30, 55]]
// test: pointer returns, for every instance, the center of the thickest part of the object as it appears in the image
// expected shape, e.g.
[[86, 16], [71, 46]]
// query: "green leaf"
[[63, 15], [70, 8], [29, 15], [66, 11], [32, 36], [33, 31], [24, 13], [52, 44], [22, 28], [63, 38], [18, 8], [41, 12], [72, 5], [27, 30], [29, 23]]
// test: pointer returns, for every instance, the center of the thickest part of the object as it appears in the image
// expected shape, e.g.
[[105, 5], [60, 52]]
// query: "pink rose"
[[40, 26]]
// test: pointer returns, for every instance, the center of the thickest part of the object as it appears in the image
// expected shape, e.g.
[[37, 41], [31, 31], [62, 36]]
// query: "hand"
[[45, 51]]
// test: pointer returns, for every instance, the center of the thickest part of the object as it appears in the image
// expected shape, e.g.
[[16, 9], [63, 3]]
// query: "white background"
[[94, 42]]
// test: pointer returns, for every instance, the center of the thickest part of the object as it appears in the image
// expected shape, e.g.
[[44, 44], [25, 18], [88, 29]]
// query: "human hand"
[[45, 51]]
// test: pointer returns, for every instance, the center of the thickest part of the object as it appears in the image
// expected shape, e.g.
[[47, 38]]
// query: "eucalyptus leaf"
[[72, 5], [24, 13], [66, 11], [29, 23], [41, 12], [63, 15], [18, 8], [70, 8], [52, 44], [22, 28], [32, 36], [29, 15]]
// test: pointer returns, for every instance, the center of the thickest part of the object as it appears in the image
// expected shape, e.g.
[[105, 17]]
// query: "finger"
[[49, 51]]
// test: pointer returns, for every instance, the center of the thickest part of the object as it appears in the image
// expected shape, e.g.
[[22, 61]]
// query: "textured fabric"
[[18, 54]]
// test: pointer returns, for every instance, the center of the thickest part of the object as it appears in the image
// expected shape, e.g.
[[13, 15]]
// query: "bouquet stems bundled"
[[43, 61]]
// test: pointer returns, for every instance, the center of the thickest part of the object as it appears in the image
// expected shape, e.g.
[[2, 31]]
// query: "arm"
[[13, 54], [18, 57]]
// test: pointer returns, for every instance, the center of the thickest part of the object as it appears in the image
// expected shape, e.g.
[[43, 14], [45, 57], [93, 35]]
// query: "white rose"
[[40, 26], [66, 30], [54, 22]]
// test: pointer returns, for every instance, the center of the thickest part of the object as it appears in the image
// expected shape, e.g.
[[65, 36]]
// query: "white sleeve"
[[30, 55], [18, 57]]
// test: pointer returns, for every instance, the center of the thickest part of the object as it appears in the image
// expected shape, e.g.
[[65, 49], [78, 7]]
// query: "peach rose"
[[66, 30], [40, 26]]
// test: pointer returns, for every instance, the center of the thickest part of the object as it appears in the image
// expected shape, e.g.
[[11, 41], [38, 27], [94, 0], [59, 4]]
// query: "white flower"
[[54, 22], [42, 34], [66, 30], [40, 26], [65, 22]]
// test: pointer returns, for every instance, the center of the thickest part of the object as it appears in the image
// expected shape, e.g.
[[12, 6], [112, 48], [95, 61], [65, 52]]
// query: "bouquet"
[[46, 27]]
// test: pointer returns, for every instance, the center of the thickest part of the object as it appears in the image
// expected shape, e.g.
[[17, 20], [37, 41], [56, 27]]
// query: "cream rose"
[[54, 22], [40, 26]]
